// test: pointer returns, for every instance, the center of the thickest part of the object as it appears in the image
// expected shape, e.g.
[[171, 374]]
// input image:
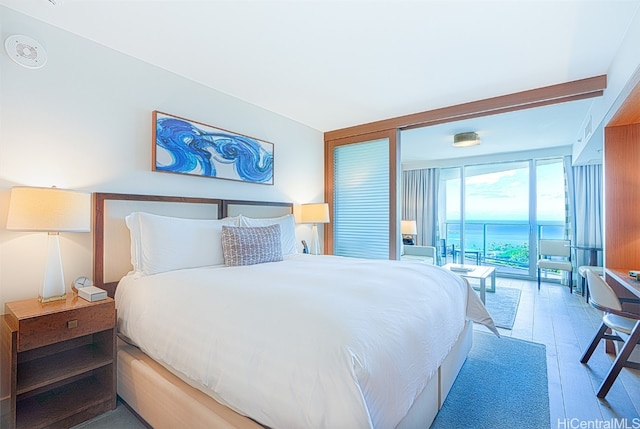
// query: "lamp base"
[[408, 240], [52, 298], [53, 286], [315, 241]]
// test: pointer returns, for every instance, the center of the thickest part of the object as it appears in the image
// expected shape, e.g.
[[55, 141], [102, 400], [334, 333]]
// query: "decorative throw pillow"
[[251, 245]]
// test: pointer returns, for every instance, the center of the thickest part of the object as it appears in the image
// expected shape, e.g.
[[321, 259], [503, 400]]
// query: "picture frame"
[[183, 146]]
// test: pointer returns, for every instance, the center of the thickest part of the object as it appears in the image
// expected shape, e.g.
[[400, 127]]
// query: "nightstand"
[[58, 362]]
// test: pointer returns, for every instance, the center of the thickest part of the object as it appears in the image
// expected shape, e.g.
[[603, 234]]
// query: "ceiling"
[[332, 64]]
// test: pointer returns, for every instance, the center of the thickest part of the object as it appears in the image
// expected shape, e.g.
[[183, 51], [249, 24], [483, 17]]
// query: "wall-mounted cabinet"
[[622, 189]]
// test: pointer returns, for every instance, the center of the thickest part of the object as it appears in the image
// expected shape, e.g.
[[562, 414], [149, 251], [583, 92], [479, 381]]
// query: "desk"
[[629, 283], [476, 272], [593, 253]]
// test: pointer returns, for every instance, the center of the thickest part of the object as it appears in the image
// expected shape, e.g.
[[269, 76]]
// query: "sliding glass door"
[[495, 213], [551, 213]]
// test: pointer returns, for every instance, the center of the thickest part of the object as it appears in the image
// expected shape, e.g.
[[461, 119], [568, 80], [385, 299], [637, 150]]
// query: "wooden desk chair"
[[582, 270], [625, 327], [555, 255]]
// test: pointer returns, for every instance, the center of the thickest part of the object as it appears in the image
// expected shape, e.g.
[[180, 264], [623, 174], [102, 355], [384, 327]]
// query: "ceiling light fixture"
[[466, 139]]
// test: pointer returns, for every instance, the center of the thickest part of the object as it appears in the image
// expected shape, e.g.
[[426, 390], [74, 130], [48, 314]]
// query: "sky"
[[503, 194]]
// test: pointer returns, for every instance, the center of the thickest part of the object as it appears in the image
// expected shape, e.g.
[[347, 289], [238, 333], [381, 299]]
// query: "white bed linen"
[[311, 341]]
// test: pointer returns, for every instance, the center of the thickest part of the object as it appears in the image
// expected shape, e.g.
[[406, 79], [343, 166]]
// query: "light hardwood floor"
[[565, 323]]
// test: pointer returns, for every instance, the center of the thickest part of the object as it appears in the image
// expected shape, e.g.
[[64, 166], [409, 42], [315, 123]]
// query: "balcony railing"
[[502, 244]]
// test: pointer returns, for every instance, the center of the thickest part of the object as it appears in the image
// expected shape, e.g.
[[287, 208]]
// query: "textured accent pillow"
[[251, 245]]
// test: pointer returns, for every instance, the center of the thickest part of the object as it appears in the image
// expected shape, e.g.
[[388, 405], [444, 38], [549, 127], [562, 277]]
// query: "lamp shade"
[[49, 209], [314, 213], [408, 227]]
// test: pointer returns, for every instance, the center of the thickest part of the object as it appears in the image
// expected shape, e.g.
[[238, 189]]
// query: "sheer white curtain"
[[587, 189], [420, 201], [585, 209]]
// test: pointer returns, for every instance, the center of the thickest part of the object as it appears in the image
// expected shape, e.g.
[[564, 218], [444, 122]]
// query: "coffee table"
[[476, 272]]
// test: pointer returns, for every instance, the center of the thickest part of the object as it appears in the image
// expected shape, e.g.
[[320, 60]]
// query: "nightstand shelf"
[[59, 362], [48, 370], [62, 403]]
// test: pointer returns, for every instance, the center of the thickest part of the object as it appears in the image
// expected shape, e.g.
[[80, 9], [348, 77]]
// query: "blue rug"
[[503, 384], [503, 306]]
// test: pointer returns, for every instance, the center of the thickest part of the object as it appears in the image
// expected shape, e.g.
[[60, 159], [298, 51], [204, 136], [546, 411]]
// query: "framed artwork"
[[188, 147]]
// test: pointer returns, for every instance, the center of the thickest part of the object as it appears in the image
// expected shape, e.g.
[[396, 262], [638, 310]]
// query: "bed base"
[[163, 400]]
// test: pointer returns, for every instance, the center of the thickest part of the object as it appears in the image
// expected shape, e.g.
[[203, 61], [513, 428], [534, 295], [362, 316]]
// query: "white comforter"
[[312, 341]]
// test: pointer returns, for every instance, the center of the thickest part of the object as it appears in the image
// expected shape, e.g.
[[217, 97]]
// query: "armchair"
[[426, 254]]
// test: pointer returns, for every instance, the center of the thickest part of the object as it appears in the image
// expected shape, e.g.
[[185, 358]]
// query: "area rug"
[[502, 384], [503, 306]]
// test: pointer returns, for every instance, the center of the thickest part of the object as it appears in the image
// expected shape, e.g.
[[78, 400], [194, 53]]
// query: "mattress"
[[311, 341]]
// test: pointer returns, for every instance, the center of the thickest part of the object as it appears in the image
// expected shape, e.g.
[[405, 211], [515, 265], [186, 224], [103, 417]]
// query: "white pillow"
[[163, 243], [287, 230]]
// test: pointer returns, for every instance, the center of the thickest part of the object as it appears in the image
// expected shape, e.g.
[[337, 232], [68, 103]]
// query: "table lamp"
[[408, 228], [314, 213], [50, 210]]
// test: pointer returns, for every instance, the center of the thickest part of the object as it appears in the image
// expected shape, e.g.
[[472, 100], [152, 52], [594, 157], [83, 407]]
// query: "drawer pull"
[[72, 323]]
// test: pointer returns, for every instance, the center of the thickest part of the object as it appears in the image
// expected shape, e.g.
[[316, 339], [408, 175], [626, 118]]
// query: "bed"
[[292, 341]]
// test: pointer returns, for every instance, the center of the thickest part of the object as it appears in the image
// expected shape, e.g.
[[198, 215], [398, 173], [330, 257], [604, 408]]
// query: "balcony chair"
[[555, 255], [625, 328], [445, 250]]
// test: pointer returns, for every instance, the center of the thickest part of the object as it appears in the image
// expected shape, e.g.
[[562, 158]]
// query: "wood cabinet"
[[58, 362], [622, 193]]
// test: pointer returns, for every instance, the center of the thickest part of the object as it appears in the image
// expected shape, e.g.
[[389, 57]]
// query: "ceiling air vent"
[[25, 51]]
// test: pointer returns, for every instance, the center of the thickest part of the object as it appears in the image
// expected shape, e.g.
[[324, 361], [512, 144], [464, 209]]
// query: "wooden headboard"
[[111, 243]]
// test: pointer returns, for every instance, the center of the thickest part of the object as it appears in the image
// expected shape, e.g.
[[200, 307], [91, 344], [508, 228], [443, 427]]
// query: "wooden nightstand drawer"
[[60, 321], [56, 327]]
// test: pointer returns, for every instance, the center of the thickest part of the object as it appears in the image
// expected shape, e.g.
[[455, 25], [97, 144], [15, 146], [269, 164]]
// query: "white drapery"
[[586, 203], [420, 202]]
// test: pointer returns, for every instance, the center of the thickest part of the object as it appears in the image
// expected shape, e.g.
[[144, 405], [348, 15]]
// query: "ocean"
[[495, 234]]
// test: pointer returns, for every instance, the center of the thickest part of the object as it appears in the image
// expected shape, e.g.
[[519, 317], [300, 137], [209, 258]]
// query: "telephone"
[[305, 248]]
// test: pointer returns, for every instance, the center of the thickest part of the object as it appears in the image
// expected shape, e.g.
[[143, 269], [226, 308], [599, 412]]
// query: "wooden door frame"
[[390, 128]]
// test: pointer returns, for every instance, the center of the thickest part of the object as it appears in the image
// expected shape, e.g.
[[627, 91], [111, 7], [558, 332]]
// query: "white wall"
[[84, 122], [622, 77]]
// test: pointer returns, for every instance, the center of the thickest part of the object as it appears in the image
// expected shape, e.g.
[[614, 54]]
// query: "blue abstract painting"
[[188, 147]]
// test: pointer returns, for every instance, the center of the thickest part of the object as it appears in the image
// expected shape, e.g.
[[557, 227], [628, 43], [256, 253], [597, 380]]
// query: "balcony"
[[504, 245]]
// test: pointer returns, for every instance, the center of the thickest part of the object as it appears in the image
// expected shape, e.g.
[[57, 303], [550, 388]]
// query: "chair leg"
[[587, 291], [594, 343], [538, 278], [570, 281], [582, 285], [620, 361]]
